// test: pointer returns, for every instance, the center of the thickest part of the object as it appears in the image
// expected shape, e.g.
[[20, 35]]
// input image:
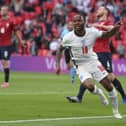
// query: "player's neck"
[[80, 33]]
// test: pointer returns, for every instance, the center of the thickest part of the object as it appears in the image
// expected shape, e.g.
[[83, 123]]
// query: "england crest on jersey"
[[83, 42]]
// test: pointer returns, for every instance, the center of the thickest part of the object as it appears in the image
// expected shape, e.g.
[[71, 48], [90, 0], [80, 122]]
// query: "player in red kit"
[[102, 48], [7, 28]]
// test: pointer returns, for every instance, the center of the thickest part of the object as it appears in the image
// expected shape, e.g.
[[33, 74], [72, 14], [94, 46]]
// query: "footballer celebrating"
[[81, 41], [102, 49]]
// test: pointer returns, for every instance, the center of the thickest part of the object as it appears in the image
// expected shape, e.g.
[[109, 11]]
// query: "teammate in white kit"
[[80, 41]]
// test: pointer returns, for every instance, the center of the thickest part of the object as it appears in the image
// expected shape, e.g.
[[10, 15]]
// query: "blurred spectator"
[[83, 5], [68, 27], [37, 37], [17, 5], [120, 49], [54, 41]]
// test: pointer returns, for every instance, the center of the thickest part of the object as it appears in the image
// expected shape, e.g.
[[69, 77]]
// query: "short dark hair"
[[81, 15]]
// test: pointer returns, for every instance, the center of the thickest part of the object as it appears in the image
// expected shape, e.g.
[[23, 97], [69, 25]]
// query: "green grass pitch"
[[38, 99]]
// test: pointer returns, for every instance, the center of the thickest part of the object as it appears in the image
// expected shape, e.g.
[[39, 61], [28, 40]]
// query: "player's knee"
[[111, 76], [89, 84], [91, 87], [106, 84], [109, 87]]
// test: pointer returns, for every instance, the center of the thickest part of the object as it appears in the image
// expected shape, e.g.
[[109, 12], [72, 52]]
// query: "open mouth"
[[78, 27]]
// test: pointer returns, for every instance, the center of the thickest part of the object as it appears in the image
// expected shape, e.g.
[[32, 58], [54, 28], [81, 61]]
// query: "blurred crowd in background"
[[41, 23]]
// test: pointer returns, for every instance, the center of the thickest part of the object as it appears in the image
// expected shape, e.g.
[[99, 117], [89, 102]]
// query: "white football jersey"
[[82, 47]]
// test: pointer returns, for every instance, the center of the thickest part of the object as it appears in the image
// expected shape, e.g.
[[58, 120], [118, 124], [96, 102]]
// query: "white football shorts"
[[91, 69]]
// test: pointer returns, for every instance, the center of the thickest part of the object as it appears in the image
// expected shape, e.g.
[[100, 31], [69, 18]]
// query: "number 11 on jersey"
[[85, 50]]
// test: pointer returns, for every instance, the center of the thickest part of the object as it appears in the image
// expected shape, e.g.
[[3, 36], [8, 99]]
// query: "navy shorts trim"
[[5, 52], [106, 60]]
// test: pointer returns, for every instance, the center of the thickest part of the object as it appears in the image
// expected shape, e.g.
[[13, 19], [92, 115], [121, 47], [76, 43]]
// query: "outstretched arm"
[[111, 32], [58, 57], [19, 37], [104, 27]]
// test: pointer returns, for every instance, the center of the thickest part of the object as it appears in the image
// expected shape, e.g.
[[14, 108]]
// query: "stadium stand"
[[42, 21]]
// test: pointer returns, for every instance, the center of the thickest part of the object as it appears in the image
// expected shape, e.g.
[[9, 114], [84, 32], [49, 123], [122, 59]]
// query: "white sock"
[[103, 98], [114, 100], [96, 90]]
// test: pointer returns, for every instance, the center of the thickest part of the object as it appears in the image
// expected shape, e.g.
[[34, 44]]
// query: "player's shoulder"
[[68, 35], [94, 32]]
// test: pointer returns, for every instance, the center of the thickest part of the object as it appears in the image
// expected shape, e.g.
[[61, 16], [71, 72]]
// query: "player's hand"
[[118, 24], [57, 68], [23, 43]]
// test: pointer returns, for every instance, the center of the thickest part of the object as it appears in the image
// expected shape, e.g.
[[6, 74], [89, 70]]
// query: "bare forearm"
[[18, 34], [58, 55], [110, 32], [107, 28], [104, 27]]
